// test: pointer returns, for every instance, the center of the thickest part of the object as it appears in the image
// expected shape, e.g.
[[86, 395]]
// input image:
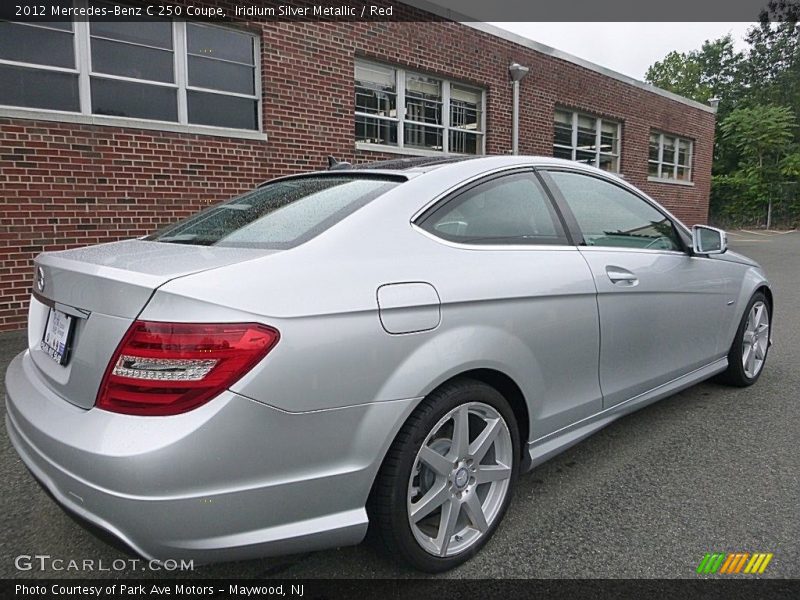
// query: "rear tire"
[[448, 477], [748, 353]]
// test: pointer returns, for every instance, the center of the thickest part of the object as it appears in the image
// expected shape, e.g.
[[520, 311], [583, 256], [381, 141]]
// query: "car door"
[[661, 309], [516, 276]]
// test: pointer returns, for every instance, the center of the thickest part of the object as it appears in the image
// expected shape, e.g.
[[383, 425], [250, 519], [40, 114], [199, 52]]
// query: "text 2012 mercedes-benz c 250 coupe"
[[388, 345]]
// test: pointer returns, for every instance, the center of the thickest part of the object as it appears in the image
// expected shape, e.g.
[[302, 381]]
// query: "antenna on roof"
[[336, 165]]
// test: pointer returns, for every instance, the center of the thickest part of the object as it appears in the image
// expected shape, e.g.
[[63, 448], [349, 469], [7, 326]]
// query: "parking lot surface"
[[712, 469]]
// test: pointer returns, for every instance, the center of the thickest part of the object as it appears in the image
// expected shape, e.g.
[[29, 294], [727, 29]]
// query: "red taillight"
[[170, 368]]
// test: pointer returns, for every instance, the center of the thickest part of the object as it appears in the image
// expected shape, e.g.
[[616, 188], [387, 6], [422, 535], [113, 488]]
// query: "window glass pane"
[[223, 44], [35, 88], [36, 45], [463, 142], [562, 133], [669, 150], [684, 174], [608, 162], [376, 131], [509, 210], [126, 60], [423, 99], [465, 108], [220, 75], [683, 152], [582, 156], [654, 144], [149, 32], [137, 100], [420, 136], [587, 139], [609, 137], [559, 152], [652, 169], [376, 91], [609, 215], [277, 215], [222, 111]]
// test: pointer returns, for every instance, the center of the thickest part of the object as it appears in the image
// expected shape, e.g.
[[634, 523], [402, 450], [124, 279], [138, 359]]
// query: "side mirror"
[[708, 240]]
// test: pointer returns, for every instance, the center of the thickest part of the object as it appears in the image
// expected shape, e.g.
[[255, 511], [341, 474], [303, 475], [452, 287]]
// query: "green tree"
[[763, 137], [713, 71]]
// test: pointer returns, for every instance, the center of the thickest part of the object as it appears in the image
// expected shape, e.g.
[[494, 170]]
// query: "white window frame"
[[674, 162], [401, 120], [598, 124], [82, 41]]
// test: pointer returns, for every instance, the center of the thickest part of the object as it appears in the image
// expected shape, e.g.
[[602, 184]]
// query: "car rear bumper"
[[233, 479]]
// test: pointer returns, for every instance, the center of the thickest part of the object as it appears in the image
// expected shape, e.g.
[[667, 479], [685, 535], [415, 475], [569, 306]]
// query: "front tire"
[[448, 477], [748, 353]]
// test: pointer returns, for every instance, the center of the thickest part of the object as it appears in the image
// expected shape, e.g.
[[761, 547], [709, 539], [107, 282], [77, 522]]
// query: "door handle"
[[621, 277]]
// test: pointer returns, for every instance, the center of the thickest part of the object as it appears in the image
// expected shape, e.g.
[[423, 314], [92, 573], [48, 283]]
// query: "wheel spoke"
[[748, 350], [751, 360], [484, 441], [438, 463], [759, 351], [447, 525], [433, 499], [488, 473], [460, 433], [474, 511]]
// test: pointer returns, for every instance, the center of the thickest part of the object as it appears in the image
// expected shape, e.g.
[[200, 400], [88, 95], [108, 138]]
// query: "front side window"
[[670, 157], [509, 210], [586, 139], [153, 69], [395, 107], [609, 215], [278, 215]]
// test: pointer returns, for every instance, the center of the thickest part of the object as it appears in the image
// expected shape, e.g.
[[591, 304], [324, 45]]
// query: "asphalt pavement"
[[712, 469]]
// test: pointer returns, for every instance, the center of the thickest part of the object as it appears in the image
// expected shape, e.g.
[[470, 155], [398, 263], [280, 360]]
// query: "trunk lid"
[[103, 289]]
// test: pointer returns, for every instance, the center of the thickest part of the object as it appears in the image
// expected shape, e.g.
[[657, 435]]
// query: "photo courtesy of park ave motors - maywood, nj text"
[[383, 290]]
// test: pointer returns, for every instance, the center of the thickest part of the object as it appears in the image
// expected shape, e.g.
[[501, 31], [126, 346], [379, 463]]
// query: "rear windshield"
[[278, 215]]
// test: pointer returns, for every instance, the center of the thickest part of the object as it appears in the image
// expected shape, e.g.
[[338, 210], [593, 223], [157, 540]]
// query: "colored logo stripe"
[[734, 563]]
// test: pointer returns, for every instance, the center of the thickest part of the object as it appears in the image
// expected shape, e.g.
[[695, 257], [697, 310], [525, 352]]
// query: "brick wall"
[[65, 185]]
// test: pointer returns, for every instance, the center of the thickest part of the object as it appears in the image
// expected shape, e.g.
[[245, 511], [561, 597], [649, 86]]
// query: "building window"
[[395, 107], [587, 139], [154, 69], [670, 157]]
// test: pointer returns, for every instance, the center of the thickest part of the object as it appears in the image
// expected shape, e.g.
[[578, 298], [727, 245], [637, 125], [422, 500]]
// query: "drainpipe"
[[517, 73]]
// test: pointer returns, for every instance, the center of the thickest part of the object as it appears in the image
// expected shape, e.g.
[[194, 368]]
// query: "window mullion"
[[677, 143], [83, 60], [400, 86], [598, 123], [181, 69], [445, 116], [574, 136]]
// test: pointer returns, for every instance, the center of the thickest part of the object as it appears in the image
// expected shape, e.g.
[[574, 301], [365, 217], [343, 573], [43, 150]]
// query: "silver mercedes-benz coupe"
[[385, 345]]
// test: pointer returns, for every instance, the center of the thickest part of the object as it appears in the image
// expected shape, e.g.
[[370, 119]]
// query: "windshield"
[[278, 215]]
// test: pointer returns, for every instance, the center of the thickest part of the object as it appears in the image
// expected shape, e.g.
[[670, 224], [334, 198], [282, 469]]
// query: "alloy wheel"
[[755, 340], [460, 479]]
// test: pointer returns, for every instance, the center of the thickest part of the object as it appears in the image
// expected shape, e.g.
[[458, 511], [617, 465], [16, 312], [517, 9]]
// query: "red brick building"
[[109, 129]]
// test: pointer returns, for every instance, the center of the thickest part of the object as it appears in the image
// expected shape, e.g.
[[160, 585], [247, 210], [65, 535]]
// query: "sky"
[[627, 48]]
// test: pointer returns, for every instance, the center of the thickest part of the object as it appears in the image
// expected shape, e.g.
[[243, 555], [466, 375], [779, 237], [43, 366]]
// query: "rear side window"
[[513, 209], [278, 215]]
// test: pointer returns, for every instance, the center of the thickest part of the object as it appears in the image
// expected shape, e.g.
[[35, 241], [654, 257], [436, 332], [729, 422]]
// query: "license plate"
[[57, 336]]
